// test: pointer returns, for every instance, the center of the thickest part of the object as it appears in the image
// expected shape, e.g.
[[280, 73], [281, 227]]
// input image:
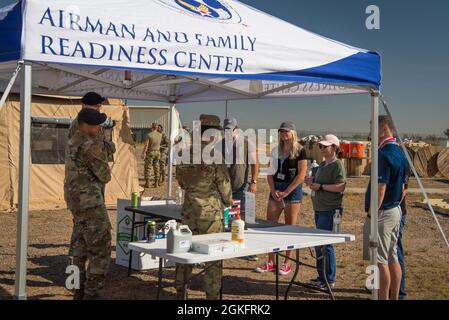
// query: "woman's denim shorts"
[[294, 197]]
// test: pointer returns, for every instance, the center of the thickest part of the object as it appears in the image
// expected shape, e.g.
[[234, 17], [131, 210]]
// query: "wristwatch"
[[321, 187], [253, 182]]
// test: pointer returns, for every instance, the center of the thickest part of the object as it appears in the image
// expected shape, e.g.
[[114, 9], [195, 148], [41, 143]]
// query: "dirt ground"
[[49, 234]]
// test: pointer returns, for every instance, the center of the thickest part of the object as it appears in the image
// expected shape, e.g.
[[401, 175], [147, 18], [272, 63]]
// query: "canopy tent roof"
[[175, 51]]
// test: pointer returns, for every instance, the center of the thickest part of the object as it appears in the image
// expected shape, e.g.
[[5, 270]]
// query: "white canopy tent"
[[170, 51]]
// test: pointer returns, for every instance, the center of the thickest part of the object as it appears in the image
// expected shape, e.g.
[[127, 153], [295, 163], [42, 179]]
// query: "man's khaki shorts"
[[389, 221]]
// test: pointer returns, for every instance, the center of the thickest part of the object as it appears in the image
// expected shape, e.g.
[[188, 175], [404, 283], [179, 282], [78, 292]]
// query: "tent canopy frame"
[[26, 93]]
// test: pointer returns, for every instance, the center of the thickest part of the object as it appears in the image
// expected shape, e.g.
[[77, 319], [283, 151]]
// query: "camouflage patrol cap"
[[210, 120]]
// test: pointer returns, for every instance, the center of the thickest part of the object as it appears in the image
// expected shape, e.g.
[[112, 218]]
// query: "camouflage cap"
[[210, 120]]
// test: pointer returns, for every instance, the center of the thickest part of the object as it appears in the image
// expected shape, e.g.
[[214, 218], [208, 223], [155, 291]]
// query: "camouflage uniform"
[[152, 157], [164, 156], [86, 173], [207, 192], [108, 145]]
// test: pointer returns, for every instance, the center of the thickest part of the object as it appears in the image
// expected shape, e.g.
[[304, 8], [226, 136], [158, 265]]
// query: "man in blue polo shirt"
[[393, 168]]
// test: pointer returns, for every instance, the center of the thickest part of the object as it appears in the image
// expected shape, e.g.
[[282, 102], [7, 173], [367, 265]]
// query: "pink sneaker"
[[266, 267], [285, 269]]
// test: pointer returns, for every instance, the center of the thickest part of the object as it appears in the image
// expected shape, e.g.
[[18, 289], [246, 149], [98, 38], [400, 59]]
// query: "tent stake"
[[24, 179]]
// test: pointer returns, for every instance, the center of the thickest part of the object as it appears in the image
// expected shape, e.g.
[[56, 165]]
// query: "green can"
[[226, 218], [134, 199]]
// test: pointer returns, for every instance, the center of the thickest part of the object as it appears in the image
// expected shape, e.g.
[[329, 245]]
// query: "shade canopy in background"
[[170, 51]]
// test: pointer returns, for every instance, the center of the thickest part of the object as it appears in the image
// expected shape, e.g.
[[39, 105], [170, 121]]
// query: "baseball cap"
[[230, 123], [330, 140], [92, 99], [288, 125], [91, 117]]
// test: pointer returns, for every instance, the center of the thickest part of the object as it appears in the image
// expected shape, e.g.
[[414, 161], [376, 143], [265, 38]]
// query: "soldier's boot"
[[156, 184], [147, 183], [161, 179], [78, 294]]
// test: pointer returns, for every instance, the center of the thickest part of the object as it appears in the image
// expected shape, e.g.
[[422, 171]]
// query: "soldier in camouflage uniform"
[[207, 192], [93, 100], [164, 154], [86, 173], [151, 154]]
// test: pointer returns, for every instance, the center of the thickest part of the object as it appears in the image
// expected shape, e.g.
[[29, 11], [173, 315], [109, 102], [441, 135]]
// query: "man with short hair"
[[151, 154], [240, 157], [86, 174], [393, 169]]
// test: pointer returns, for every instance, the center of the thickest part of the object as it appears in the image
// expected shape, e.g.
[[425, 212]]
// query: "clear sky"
[[414, 44]]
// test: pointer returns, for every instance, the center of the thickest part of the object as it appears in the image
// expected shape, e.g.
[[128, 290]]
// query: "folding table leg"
[[221, 288], [324, 257], [130, 251], [159, 280], [277, 276], [185, 283], [294, 275]]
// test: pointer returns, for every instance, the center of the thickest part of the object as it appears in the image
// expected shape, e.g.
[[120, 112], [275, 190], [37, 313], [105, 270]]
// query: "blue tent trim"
[[359, 69], [282, 76], [11, 34]]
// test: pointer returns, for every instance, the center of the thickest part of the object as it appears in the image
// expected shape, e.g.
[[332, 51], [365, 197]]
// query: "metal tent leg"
[[170, 154], [374, 182], [24, 179]]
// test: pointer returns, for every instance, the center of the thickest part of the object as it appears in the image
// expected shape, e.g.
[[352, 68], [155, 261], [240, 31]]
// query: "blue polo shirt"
[[393, 169]]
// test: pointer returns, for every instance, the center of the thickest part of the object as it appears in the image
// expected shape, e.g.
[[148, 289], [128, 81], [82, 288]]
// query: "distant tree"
[[447, 133]]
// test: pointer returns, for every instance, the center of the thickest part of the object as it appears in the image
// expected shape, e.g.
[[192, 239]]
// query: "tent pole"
[[24, 179], [374, 207], [170, 152]]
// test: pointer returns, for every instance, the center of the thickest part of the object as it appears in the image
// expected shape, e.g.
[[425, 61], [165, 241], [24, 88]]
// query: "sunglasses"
[[283, 131], [323, 147]]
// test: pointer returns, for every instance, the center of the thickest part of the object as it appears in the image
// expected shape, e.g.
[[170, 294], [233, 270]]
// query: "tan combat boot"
[[147, 184]]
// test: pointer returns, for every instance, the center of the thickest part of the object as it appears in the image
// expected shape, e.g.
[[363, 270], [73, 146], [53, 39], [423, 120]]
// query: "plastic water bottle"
[[310, 173], [179, 195], [337, 221]]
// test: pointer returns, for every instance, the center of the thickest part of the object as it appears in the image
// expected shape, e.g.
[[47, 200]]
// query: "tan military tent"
[[51, 117]]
